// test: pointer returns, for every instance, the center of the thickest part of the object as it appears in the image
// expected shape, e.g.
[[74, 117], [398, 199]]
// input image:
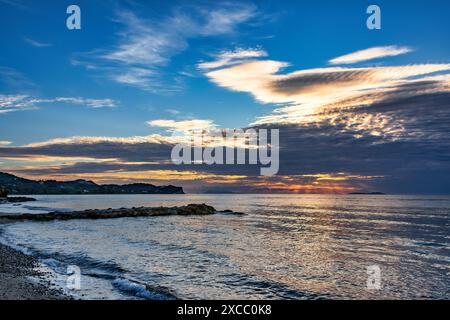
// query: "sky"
[[357, 110]]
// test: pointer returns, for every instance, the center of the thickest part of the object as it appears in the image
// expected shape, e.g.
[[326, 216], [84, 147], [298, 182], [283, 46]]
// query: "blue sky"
[[134, 62]]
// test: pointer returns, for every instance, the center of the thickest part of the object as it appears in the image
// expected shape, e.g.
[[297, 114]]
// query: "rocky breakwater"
[[16, 199], [191, 209]]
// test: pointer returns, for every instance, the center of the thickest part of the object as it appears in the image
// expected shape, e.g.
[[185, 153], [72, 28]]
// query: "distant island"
[[15, 185], [369, 193]]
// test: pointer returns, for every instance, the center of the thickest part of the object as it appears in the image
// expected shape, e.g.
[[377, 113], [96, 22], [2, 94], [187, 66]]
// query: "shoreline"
[[19, 279]]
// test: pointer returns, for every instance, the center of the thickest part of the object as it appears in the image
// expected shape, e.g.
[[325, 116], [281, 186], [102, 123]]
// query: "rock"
[[230, 212], [191, 209], [19, 199]]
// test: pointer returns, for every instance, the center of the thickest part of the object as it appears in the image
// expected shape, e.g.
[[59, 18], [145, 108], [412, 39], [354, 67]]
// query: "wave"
[[6, 242], [120, 283], [143, 291], [59, 262]]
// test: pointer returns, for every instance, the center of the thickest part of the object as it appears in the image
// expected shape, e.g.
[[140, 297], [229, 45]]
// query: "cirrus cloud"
[[37, 44], [147, 45], [370, 54], [236, 56], [19, 102], [184, 125]]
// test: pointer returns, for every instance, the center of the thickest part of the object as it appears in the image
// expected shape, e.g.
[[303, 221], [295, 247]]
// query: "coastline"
[[19, 279]]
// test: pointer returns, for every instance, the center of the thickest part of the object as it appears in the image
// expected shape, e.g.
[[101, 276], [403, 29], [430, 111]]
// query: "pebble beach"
[[19, 279]]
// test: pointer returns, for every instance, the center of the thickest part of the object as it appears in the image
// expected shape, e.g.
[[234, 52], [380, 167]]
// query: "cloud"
[[14, 80], [328, 157], [347, 98], [5, 143], [91, 103], [307, 95], [14, 3], [370, 54], [90, 140], [146, 46], [11, 103], [125, 149], [173, 111], [236, 56], [37, 44], [184, 125], [138, 77], [154, 43], [341, 130]]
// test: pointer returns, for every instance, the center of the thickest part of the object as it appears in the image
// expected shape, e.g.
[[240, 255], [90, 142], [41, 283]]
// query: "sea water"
[[284, 247]]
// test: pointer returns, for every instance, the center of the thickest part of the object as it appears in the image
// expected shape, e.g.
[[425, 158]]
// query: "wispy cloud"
[[370, 54], [5, 143], [91, 103], [184, 125], [12, 79], [37, 44], [14, 3], [173, 111], [11, 103], [236, 56], [145, 46], [138, 77]]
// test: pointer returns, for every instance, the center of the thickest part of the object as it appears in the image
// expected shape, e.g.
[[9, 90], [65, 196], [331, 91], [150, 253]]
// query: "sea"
[[283, 247]]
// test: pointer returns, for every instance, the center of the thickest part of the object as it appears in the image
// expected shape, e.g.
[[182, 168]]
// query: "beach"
[[19, 280]]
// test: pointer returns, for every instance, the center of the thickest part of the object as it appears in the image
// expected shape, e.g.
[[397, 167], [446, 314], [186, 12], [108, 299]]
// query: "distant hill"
[[17, 185]]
